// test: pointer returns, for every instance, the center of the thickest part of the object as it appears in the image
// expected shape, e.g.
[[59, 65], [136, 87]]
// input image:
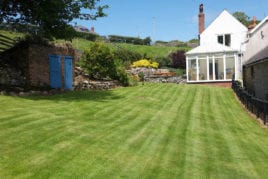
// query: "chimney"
[[201, 19], [92, 29], [254, 23]]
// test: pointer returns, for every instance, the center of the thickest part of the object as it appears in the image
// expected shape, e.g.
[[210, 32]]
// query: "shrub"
[[86, 35], [133, 80], [100, 63], [121, 74], [145, 63], [163, 61], [130, 40], [178, 59], [127, 56]]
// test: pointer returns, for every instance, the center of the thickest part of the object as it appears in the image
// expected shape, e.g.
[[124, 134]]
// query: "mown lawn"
[[150, 131]]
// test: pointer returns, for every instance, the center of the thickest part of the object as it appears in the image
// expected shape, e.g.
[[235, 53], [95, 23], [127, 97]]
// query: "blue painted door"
[[68, 73], [55, 71]]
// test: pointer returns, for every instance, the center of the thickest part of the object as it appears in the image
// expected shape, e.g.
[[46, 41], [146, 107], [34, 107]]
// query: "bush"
[[178, 59], [133, 80], [121, 74], [86, 35], [163, 61], [145, 63], [130, 40], [100, 63], [127, 56]]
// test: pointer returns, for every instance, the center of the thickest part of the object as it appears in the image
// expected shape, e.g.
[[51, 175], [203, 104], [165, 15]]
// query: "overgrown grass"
[[149, 131]]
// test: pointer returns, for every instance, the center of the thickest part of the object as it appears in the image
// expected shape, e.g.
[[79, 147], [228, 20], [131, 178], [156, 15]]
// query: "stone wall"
[[82, 81], [11, 76], [256, 80], [13, 65]]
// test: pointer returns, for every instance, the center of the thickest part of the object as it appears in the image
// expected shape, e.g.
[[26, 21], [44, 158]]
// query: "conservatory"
[[218, 64]]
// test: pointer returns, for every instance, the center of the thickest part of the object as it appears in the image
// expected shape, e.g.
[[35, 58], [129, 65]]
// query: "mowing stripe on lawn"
[[149, 131]]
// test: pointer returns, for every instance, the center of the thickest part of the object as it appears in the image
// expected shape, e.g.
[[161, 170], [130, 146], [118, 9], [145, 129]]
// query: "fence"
[[255, 105]]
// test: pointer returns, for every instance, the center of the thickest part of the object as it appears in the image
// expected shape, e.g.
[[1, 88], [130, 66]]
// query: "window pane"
[[210, 69], [219, 69], [192, 70], [227, 39], [230, 66], [220, 39], [202, 69]]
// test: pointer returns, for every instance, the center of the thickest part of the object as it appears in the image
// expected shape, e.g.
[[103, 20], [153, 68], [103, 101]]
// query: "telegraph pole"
[[154, 28]]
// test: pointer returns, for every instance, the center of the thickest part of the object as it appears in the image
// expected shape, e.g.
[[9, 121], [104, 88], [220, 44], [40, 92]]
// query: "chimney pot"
[[254, 23]]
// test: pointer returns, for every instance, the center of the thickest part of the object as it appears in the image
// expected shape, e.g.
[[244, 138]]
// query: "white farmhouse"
[[218, 56]]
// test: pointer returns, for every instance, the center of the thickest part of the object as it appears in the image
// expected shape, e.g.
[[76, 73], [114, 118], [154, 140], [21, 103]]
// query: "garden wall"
[[256, 81]]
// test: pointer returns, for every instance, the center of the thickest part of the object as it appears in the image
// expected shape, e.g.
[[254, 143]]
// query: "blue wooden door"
[[55, 71], [68, 73]]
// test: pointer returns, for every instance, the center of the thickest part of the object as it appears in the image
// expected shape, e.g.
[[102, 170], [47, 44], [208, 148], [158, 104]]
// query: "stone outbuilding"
[[32, 65]]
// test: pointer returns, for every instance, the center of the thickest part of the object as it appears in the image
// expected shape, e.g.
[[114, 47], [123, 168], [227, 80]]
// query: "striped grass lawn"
[[150, 131]]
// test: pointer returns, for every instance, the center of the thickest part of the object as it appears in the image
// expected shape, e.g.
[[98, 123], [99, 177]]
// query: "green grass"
[[12, 35], [150, 131], [150, 51], [82, 44], [8, 43]]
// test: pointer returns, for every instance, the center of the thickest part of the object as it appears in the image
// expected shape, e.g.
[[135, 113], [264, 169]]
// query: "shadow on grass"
[[100, 96]]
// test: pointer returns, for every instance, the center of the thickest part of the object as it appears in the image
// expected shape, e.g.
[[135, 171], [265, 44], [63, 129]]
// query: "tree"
[[51, 17], [242, 17], [178, 59], [147, 41]]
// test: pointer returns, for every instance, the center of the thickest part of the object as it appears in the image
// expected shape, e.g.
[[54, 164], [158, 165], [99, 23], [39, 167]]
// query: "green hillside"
[[11, 34], [151, 51], [8, 39], [82, 44]]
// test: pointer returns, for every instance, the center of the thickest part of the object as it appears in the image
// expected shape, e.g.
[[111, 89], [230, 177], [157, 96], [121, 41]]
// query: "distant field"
[[149, 131]]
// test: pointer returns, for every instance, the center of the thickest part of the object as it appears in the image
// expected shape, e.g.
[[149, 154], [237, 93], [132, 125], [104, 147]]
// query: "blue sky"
[[167, 20]]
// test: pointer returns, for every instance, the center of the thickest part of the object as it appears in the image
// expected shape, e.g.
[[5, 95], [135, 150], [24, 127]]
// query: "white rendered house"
[[257, 42], [256, 61], [218, 57]]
